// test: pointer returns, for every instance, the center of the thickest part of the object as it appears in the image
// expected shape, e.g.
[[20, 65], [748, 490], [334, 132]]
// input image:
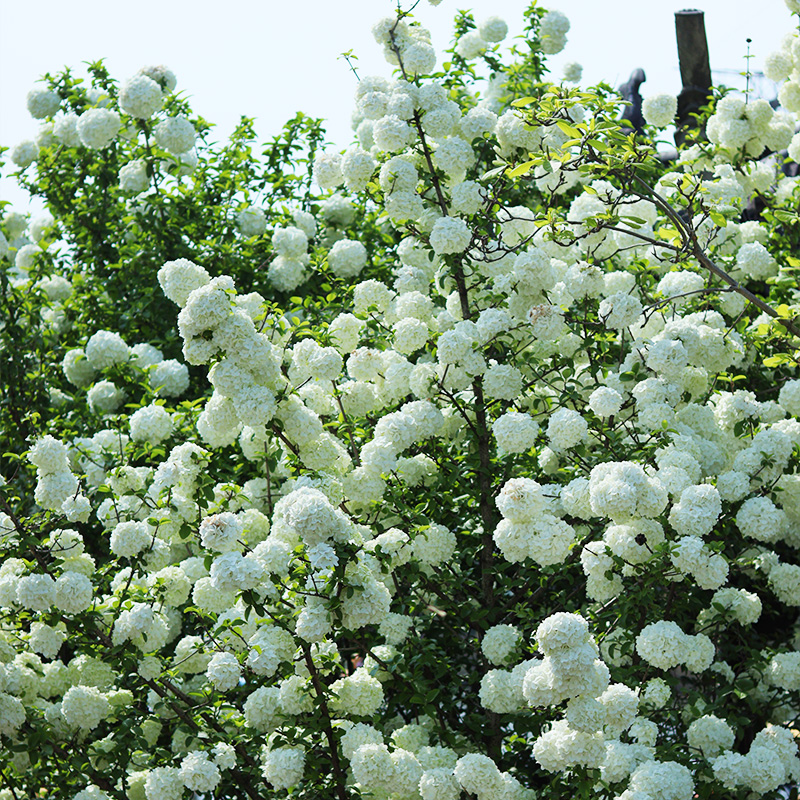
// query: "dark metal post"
[[690, 31]]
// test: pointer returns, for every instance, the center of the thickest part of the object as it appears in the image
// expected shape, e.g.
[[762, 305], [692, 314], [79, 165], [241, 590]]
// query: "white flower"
[[198, 773], [605, 401], [129, 538], [358, 694], [251, 221], [565, 429], [499, 642], [105, 349], [662, 644], [133, 177], [162, 75], [221, 532], [73, 593], [178, 279], [572, 72], [620, 310], [553, 32], [392, 134], [49, 455], [43, 103], [105, 398], [660, 109], [515, 432], [140, 97], [493, 29], [36, 592], [84, 707], [666, 780], [25, 153], [450, 235], [98, 127], [151, 424], [697, 511], [470, 45], [479, 775], [328, 170], [347, 258], [711, 735], [224, 671], [176, 135], [284, 766], [169, 378], [434, 545], [65, 129], [357, 168], [164, 783]]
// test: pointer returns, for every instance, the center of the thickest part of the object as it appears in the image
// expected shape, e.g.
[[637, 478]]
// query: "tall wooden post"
[[690, 31]]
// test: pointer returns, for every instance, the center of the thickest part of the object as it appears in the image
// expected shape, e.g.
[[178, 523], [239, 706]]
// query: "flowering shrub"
[[463, 462]]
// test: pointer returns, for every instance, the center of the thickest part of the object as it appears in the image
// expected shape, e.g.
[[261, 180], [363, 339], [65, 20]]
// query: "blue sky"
[[269, 59]]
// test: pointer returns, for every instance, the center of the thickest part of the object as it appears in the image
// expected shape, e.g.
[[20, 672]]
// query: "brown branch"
[[689, 236], [333, 746]]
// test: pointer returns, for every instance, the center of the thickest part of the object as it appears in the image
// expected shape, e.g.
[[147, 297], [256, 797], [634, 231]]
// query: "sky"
[[270, 59]]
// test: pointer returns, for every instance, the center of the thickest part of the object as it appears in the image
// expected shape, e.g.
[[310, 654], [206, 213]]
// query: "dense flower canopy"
[[462, 461]]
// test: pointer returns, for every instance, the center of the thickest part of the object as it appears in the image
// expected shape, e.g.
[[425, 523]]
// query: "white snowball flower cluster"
[[406, 44], [169, 378], [98, 127], [499, 642], [251, 221], [55, 483], [659, 110], [43, 103], [358, 694], [357, 167], [84, 707], [287, 270], [529, 529], [151, 424], [25, 153], [622, 490], [224, 671], [347, 258], [140, 96], [105, 349], [770, 761], [515, 432], [752, 126], [178, 279], [284, 766], [664, 645], [133, 177], [198, 773], [328, 170], [162, 75], [553, 32], [177, 135]]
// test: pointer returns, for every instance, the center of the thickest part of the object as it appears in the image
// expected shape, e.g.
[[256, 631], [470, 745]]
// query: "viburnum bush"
[[459, 463]]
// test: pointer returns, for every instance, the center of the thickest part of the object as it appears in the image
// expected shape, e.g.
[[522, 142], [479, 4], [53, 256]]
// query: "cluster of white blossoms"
[[752, 126], [97, 127], [475, 42], [529, 528], [499, 416], [55, 483], [660, 109], [106, 350]]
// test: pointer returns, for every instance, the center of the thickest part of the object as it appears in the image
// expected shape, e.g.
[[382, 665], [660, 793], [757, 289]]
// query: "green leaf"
[[570, 130], [521, 169]]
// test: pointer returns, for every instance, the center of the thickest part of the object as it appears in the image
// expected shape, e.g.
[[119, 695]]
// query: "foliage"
[[463, 462]]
